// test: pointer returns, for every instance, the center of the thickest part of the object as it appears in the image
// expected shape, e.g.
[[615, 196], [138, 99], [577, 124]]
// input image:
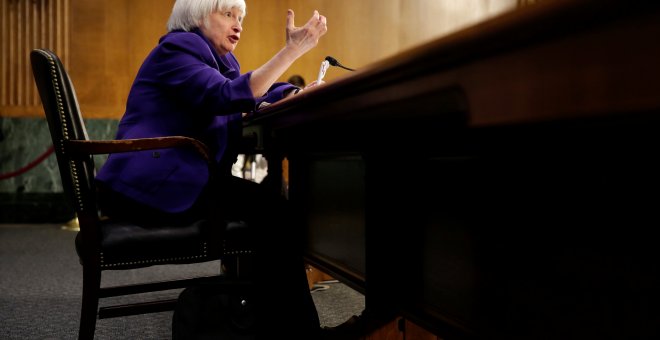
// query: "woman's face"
[[223, 29]]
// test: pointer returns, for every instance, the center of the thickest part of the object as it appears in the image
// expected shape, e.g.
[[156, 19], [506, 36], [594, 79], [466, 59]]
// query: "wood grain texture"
[[103, 43]]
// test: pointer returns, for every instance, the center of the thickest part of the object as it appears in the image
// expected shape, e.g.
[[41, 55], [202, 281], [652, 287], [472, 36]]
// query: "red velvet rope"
[[29, 165]]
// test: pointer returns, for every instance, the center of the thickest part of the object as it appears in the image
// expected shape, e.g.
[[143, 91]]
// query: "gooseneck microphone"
[[334, 62]]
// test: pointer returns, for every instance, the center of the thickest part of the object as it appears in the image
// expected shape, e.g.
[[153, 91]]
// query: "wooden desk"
[[500, 182]]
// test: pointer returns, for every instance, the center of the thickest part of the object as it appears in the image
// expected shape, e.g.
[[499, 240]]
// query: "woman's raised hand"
[[306, 37]]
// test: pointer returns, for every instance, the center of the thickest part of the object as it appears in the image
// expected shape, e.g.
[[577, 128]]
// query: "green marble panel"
[[36, 195], [22, 140]]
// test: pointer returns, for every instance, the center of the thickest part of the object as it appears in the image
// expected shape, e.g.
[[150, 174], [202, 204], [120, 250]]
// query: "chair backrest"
[[65, 123]]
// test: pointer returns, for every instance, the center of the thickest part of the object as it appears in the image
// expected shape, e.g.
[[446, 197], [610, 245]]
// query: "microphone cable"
[[334, 62]]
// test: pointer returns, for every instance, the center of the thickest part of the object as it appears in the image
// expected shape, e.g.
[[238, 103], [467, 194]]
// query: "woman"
[[191, 85]]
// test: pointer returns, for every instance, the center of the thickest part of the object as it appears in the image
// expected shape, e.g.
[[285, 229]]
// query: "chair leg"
[[90, 303], [238, 266]]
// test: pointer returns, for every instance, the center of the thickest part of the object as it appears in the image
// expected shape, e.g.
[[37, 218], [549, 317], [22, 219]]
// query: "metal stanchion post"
[[72, 225]]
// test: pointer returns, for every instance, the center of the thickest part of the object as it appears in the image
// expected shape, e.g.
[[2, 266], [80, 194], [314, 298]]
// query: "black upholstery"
[[104, 244], [123, 244]]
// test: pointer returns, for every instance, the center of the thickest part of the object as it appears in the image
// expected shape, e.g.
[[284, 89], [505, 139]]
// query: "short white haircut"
[[188, 14]]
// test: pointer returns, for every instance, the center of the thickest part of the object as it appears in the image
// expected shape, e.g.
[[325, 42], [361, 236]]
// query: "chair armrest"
[[96, 147]]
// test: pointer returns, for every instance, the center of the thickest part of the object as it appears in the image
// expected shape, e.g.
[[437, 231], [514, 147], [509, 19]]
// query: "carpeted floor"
[[40, 287]]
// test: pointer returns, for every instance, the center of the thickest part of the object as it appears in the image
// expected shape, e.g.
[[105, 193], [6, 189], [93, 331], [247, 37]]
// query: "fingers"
[[290, 16], [317, 19], [323, 22], [315, 83], [318, 22], [312, 84]]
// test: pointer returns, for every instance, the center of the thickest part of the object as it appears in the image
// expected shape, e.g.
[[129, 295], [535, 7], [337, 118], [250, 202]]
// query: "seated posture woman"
[[191, 85]]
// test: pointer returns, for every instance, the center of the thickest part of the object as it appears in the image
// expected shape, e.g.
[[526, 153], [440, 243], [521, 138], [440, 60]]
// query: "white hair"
[[188, 14]]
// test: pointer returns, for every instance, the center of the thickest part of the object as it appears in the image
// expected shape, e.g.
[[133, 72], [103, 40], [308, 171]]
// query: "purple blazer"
[[183, 88]]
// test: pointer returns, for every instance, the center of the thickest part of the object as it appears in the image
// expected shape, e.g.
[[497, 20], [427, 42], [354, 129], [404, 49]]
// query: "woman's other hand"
[[310, 85], [314, 83]]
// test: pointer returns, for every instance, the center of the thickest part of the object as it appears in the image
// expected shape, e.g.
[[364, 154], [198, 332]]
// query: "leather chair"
[[103, 244]]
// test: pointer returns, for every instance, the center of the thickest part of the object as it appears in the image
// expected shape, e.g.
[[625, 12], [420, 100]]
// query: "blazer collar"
[[227, 63]]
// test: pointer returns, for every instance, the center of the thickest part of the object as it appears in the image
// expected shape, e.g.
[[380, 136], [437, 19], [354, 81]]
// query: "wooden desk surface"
[[555, 60]]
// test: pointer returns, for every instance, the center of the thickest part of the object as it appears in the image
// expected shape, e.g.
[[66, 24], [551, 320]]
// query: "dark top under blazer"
[[183, 88]]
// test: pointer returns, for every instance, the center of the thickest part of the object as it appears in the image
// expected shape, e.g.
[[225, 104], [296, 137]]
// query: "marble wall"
[[22, 140], [36, 195]]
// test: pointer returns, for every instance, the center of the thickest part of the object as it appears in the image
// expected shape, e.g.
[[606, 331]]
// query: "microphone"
[[334, 62]]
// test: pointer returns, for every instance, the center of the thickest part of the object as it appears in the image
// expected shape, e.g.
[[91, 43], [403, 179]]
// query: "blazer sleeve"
[[184, 65], [275, 93]]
